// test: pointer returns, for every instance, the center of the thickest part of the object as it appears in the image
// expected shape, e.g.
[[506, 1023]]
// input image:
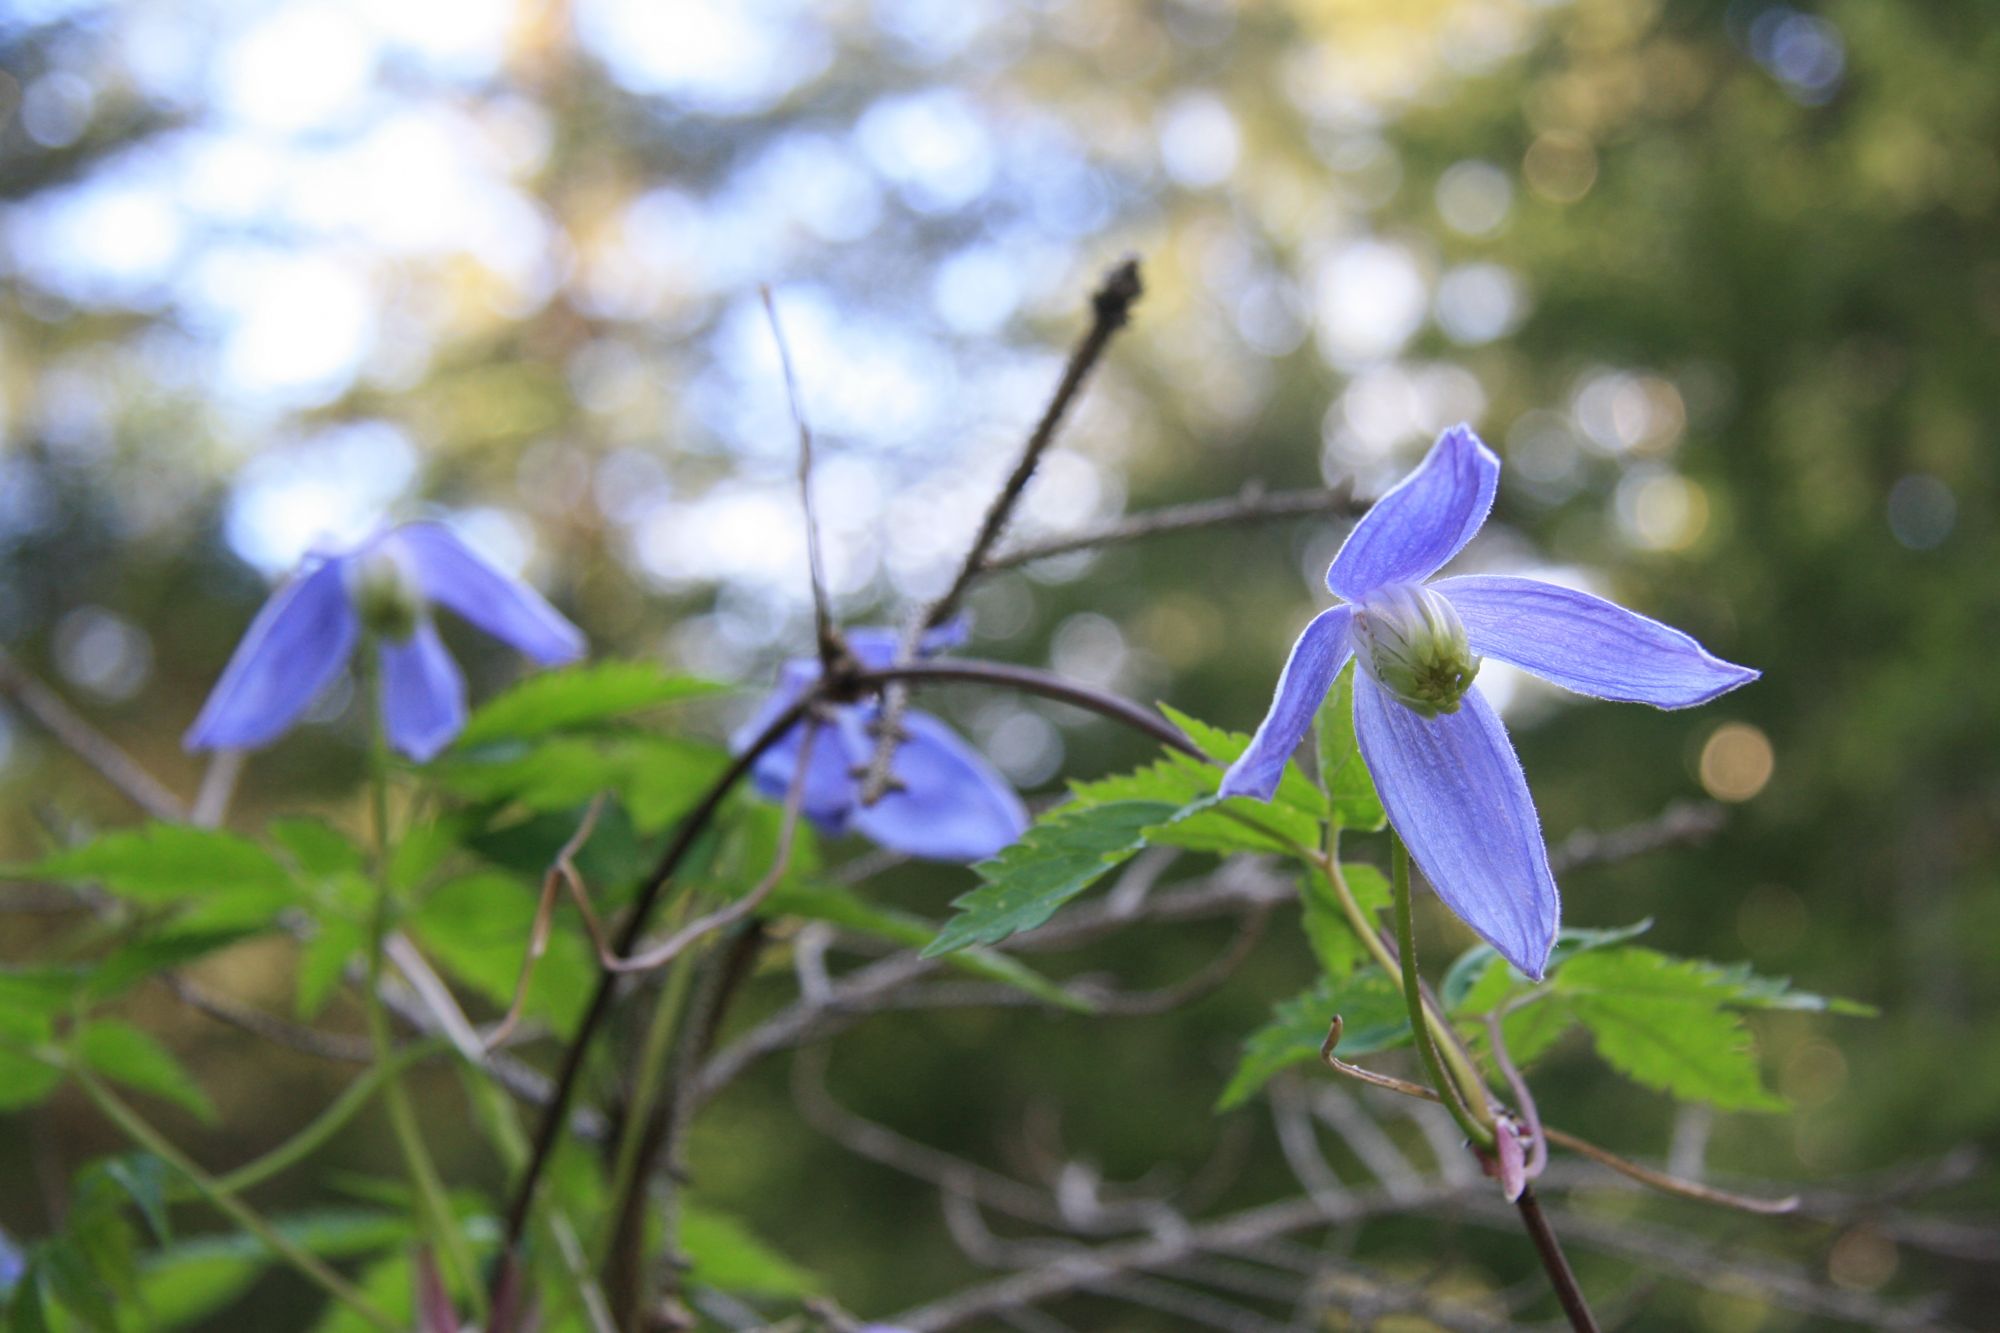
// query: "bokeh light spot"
[[1736, 762], [1922, 512]]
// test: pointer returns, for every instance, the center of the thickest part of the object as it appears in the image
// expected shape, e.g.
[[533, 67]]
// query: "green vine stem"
[[439, 1223], [225, 1201], [328, 1122], [1449, 1086], [1469, 1084]]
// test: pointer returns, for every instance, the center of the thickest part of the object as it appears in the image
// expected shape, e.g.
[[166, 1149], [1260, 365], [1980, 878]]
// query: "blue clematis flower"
[[1441, 761], [386, 586], [944, 803]]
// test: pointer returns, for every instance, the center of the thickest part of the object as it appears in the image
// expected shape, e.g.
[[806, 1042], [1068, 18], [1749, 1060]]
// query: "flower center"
[[1411, 643], [385, 594]]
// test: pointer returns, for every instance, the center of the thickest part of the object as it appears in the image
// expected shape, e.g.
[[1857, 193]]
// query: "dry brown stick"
[[562, 870], [1681, 822], [1252, 505], [1111, 306], [87, 743]]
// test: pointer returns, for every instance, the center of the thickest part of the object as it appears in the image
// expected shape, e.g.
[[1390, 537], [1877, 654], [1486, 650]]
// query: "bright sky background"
[[349, 189]]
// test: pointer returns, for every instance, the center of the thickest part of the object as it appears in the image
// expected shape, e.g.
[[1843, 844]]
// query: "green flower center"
[[1411, 643], [386, 596]]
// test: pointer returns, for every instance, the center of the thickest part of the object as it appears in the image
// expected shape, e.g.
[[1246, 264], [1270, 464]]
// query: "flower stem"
[[1442, 1038], [1462, 1083], [225, 1201], [434, 1210], [328, 1122], [1555, 1263], [646, 1082]]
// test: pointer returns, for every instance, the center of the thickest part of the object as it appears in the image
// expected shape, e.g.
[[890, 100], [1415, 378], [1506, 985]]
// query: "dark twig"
[[1111, 306], [1027, 680], [1555, 1262], [648, 896], [1252, 505], [728, 915]]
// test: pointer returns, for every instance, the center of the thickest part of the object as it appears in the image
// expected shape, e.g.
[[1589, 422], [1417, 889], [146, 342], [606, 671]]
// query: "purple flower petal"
[[830, 788], [951, 804], [423, 694], [1318, 656], [451, 573], [294, 648], [1455, 792], [1587, 644], [874, 646], [1410, 532]]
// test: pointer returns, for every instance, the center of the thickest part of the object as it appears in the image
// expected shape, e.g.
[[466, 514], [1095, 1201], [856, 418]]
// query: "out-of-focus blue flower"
[[387, 587], [1439, 756], [13, 1263], [944, 802]]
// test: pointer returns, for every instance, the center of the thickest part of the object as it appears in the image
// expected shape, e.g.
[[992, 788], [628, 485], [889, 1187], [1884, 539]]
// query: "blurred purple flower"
[[1439, 756], [386, 586], [944, 803]]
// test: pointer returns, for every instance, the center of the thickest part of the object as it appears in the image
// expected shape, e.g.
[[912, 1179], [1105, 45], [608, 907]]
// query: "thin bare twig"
[[824, 633], [561, 871], [1252, 505], [1680, 823], [217, 790], [87, 743], [1645, 1175], [1111, 306], [1028, 680], [723, 917]]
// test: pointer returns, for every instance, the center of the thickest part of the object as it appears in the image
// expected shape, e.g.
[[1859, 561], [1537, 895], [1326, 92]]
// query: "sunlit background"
[[1719, 281]]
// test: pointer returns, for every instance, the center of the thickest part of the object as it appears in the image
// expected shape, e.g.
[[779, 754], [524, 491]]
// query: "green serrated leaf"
[[322, 961], [723, 1254], [1177, 779], [1060, 856], [150, 955], [43, 992], [478, 927], [1350, 792], [318, 849], [167, 863], [1755, 992], [127, 1055], [28, 1312], [84, 1293], [582, 696], [1479, 979], [1373, 1018], [144, 1178], [818, 902], [665, 776], [25, 1081], [1339, 950], [1665, 1023], [1294, 788]]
